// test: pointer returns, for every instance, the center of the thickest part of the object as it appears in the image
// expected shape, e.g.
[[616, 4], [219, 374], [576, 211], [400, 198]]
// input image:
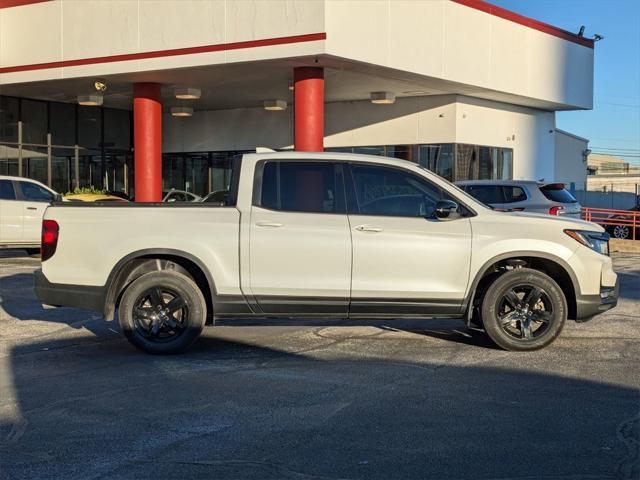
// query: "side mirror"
[[444, 208]]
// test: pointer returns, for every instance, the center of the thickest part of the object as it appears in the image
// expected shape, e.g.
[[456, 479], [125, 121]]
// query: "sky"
[[613, 126]]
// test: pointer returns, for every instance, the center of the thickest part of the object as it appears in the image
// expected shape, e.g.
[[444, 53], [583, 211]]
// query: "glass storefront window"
[[117, 129], [62, 169], [89, 127], [62, 123], [33, 115], [438, 158], [9, 108], [34, 163]]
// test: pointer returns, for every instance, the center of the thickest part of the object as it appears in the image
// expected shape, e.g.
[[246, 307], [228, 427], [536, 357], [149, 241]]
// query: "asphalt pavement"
[[318, 399]]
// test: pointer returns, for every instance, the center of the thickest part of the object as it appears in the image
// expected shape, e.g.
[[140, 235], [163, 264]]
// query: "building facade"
[[143, 95]]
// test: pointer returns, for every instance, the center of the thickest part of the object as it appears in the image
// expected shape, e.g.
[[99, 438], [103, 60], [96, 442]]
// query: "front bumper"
[[588, 306], [65, 295]]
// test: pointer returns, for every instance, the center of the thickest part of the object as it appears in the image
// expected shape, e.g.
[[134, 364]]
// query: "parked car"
[[22, 205], [93, 197], [521, 195], [624, 232], [220, 196], [179, 196], [329, 235]]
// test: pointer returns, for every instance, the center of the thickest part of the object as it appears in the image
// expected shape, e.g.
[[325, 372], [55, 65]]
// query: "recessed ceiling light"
[[187, 93], [181, 111], [291, 87], [382, 98], [91, 100], [275, 105]]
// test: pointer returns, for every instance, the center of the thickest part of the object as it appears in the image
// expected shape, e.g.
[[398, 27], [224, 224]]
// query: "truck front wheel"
[[162, 312], [523, 310]]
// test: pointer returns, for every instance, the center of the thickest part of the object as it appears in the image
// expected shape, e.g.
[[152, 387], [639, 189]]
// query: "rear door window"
[[7, 192], [301, 186], [32, 192], [486, 193], [557, 193]]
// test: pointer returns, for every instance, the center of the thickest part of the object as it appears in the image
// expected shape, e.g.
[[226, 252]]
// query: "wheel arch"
[[138, 263], [553, 266]]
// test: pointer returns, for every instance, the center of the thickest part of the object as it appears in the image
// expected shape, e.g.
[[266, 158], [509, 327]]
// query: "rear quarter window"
[[556, 194], [514, 194]]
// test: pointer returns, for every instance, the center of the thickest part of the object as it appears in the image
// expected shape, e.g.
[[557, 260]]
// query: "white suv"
[[22, 205], [524, 196]]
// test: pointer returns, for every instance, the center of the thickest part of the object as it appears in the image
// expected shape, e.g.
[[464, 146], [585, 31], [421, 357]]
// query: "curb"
[[626, 246]]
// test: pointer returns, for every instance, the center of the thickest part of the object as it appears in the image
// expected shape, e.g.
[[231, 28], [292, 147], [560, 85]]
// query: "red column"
[[309, 109], [147, 142]]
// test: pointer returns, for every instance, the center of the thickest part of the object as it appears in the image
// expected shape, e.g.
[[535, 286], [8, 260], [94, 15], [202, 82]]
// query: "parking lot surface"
[[321, 400]]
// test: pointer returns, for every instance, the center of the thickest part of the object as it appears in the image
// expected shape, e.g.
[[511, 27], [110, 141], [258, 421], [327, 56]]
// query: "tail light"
[[50, 231], [555, 210]]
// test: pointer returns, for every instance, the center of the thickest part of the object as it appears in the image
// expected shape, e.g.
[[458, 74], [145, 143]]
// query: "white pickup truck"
[[326, 235]]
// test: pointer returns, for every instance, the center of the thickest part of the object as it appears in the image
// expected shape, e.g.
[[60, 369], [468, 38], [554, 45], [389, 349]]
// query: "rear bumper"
[[588, 306], [64, 295]]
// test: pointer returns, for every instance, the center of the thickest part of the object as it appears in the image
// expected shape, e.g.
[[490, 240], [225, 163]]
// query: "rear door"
[[35, 200], [300, 243], [11, 213], [405, 261]]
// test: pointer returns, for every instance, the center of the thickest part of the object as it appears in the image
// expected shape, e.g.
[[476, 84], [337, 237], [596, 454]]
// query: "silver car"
[[524, 195]]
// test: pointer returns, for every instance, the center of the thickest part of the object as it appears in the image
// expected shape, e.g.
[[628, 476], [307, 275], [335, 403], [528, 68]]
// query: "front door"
[[300, 243], [405, 261]]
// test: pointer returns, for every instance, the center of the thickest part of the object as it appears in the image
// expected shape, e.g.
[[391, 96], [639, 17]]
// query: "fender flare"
[[115, 276], [468, 300]]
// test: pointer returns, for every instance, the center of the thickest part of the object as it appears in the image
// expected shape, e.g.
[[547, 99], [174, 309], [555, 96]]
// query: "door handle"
[[31, 208], [369, 228], [268, 224]]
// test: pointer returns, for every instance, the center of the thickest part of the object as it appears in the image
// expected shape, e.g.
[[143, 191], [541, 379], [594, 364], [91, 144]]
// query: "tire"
[[524, 310], [622, 232], [162, 312]]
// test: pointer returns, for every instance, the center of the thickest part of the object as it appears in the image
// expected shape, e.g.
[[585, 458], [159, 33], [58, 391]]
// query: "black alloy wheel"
[[525, 312], [162, 312], [524, 309]]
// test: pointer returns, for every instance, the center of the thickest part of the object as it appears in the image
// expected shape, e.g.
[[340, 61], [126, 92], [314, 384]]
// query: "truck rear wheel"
[[162, 312], [523, 310]]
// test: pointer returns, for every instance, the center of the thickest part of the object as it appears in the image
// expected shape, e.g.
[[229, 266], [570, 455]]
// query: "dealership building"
[[143, 95]]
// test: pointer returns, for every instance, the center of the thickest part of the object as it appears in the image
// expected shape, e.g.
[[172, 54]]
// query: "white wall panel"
[[30, 34], [408, 19], [96, 28], [571, 165], [257, 19], [358, 29], [467, 45], [173, 24]]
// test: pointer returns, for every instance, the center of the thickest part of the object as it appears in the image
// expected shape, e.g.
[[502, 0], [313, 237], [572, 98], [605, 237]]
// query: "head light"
[[596, 241]]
